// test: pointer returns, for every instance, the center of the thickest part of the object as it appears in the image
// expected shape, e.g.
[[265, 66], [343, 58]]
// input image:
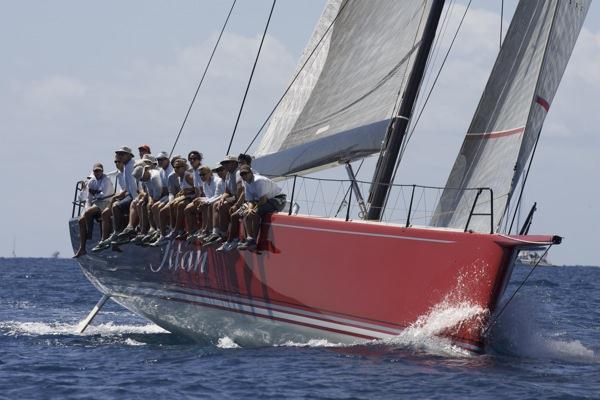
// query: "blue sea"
[[545, 345]]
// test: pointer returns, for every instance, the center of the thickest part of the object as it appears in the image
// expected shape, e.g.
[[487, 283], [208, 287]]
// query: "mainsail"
[[511, 112], [341, 104]]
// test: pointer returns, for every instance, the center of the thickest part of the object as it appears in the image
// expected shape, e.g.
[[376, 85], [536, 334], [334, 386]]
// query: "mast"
[[388, 158]]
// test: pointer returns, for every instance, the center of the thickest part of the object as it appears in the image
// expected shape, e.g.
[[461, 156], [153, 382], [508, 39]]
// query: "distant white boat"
[[531, 258]]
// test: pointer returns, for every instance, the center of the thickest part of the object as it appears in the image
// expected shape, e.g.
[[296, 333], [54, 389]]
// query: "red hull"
[[367, 280]]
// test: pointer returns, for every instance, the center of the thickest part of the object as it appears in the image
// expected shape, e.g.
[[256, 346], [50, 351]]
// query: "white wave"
[[443, 317], [518, 333], [59, 328], [131, 342], [227, 343], [313, 343]]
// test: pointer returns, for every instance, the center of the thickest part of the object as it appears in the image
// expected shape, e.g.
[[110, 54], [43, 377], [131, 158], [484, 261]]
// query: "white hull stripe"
[[294, 310], [310, 228], [273, 314], [228, 306]]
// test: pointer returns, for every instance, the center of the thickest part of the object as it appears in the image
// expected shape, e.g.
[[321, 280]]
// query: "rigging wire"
[[251, 76], [296, 76], [501, 18], [518, 205], [544, 58], [430, 62], [202, 79], [491, 324], [436, 44], [414, 126], [362, 161]]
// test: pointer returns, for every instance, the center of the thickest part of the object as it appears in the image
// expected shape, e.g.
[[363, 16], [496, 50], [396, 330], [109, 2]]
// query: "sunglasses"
[[118, 162], [244, 173]]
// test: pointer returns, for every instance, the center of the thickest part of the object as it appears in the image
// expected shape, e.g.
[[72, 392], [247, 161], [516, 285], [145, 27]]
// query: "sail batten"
[[512, 109], [348, 88]]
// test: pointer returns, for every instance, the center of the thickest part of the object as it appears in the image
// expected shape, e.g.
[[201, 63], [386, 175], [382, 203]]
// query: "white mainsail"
[[511, 112], [341, 104]]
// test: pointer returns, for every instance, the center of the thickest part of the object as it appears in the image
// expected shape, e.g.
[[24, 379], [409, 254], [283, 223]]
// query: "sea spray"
[[518, 333], [227, 343], [424, 333], [38, 328]]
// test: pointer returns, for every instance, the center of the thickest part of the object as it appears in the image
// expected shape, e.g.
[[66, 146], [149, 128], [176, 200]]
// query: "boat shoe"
[[248, 244]]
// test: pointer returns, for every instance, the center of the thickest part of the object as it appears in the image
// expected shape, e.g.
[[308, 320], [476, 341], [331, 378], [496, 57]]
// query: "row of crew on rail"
[[156, 199]]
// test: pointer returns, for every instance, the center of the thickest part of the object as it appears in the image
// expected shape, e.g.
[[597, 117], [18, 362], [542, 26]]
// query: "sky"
[[79, 79]]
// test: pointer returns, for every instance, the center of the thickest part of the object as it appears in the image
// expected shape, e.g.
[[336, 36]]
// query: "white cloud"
[[52, 94]]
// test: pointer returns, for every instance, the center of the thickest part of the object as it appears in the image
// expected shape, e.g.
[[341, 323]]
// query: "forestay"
[[340, 106], [512, 109]]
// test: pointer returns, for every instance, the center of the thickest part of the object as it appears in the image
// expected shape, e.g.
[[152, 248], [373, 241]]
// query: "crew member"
[[99, 191], [263, 196]]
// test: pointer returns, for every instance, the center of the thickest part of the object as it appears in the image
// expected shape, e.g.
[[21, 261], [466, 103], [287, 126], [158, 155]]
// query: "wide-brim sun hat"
[[124, 149]]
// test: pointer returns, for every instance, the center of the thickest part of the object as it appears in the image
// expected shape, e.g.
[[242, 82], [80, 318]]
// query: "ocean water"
[[545, 345]]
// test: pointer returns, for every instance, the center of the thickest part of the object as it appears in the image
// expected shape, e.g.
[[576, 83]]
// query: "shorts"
[[102, 204], [273, 205], [124, 203]]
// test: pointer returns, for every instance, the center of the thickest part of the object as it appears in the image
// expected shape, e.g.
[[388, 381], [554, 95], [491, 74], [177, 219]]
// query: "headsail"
[[340, 106], [512, 109]]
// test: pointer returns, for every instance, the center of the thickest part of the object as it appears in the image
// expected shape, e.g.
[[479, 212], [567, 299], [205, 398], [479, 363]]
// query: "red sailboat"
[[371, 274]]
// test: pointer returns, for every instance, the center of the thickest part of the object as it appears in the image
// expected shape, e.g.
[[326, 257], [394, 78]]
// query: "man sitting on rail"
[[165, 169], [107, 215], [166, 213], [221, 206], [181, 200], [137, 210], [191, 210], [213, 186], [233, 232], [263, 196], [122, 207], [152, 189], [99, 191]]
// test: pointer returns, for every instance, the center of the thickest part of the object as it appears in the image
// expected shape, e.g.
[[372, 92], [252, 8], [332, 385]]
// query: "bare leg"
[[224, 217], [155, 211], [191, 216], [207, 218], [106, 223], [134, 218], [252, 222], [215, 215], [143, 214], [173, 213], [118, 218], [84, 222], [180, 215], [234, 227]]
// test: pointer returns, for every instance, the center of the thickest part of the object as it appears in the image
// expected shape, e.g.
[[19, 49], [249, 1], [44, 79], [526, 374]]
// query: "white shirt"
[[173, 185], [120, 180], [260, 186], [105, 189], [164, 175], [183, 183], [231, 181], [153, 186], [213, 189], [130, 182], [197, 178]]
